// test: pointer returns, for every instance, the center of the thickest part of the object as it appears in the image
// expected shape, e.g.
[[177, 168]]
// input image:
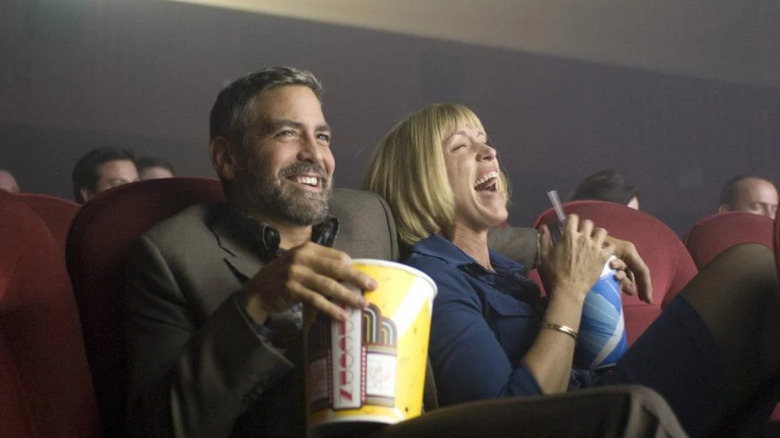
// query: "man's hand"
[[309, 274], [631, 265]]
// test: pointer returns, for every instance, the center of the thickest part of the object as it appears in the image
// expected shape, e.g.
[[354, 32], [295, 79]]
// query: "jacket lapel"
[[237, 249]]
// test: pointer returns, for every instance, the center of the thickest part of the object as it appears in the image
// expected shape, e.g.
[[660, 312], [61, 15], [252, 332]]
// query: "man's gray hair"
[[231, 115]]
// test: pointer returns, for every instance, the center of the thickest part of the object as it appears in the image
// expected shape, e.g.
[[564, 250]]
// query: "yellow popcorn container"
[[370, 369]]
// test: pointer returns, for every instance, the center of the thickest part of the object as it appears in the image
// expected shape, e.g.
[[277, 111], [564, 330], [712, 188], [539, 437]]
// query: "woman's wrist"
[[565, 329], [570, 293]]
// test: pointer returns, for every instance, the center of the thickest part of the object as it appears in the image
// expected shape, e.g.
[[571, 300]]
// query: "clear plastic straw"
[[556, 203]]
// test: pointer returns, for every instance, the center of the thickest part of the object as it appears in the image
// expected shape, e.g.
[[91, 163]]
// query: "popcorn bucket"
[[370, 369]]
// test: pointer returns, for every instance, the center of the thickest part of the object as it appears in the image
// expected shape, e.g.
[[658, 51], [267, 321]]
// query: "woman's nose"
[[487, 153]]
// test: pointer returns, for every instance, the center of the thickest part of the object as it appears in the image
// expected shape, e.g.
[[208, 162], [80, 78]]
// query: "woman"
[[710, 354]]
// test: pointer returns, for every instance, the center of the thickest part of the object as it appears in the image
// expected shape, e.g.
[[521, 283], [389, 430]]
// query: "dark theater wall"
[[77, 74]]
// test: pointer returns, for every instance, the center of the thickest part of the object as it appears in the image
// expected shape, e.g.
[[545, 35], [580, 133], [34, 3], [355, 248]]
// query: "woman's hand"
[[570, 269], [573, 265], [635, 267], [624, 276]]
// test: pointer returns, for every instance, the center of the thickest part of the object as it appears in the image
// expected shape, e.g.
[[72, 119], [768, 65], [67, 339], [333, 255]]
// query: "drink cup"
[[602, 335], [370, 369]]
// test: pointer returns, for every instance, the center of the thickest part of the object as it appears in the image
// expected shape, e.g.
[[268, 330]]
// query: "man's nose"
[[310, 149]]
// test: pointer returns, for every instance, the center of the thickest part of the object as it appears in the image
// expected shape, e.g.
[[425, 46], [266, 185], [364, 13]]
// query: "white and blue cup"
[[602, 334]]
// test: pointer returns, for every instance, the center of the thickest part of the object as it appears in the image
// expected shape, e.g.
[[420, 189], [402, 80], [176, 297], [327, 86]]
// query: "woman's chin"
[[497, 220]]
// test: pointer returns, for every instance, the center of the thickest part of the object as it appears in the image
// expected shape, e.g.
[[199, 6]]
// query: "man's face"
[[112, 174], [288, 166], [155, 172], [757, 196]]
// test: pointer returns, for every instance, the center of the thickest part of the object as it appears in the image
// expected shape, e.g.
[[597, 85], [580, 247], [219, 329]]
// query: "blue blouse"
[[483, 324]]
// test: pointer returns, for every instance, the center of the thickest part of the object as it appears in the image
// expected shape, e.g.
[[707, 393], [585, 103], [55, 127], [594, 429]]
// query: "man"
[[152, 168], [101, 169], [8, 182], [749, 193], [219, 340], [213, 306], [607, 185]]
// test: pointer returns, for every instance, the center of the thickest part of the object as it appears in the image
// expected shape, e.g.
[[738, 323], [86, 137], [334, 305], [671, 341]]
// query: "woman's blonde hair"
[[407, 169]]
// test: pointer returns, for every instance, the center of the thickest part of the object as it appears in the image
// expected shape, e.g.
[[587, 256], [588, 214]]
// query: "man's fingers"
[[327, 296], [331, 289], [338, 266], [321, 304]]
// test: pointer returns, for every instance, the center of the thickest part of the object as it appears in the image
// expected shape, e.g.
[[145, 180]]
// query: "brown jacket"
[[197, 367]]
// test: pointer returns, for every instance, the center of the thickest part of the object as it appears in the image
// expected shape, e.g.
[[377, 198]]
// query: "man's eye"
[[324, 137], [287, 133]]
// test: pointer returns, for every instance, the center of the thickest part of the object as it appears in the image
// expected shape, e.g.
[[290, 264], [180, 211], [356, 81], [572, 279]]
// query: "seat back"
[[776, 241], [713, 234], [670, 264], [57, 213], [45, 385], [100, 236]]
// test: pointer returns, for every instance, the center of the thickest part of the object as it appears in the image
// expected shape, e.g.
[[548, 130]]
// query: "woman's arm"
[[572, 267], [469, 360]]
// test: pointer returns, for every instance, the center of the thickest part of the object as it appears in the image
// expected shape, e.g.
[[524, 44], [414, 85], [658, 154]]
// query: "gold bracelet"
[[561, 328]]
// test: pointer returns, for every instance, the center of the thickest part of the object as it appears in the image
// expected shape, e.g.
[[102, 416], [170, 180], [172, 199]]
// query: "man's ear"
[[223, 159], [86, 194], [723, 208]]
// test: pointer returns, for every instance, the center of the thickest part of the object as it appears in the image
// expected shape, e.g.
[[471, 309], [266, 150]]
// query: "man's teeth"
[[307, 180], [487, 177]]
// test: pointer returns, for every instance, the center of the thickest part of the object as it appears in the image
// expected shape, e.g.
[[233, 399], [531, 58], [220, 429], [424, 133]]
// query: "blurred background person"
[[101, 169], [153, 168], [607, 185], [749, 193], [8, 182]]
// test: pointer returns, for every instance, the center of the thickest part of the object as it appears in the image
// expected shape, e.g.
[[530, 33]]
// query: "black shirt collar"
[[265, 239]]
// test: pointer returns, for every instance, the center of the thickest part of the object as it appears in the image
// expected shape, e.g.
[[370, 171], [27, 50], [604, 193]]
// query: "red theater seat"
[[773, 429], [57, 213], [714, 234], [100, 236], [45, 385], [670, 264]]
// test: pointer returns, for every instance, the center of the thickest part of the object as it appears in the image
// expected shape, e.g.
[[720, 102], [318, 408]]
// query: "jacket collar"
[[249, 244]]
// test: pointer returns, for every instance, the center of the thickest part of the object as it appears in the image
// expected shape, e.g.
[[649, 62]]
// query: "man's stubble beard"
[[286, 202]]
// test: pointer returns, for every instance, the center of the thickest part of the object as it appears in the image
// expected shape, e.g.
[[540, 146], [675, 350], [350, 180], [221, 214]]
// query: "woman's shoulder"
[[429, 264], [436, 260], [434, 253]]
